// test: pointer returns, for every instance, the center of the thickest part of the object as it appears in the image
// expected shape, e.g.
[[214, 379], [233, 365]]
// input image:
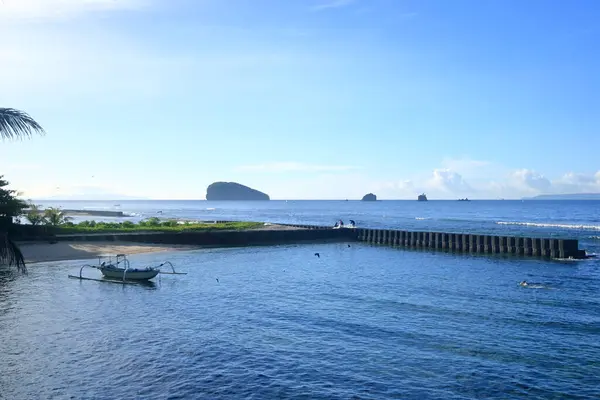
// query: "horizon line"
[[343, 200]]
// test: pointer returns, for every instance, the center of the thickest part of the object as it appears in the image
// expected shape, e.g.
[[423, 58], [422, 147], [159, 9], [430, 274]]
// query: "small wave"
[[421, 218], [537, 287], [131, 214], [576, 260], [210, 209], [594, 237], [548, 225]]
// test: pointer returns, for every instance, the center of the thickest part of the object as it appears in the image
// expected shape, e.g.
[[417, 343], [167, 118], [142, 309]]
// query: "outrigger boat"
[[121, 271]]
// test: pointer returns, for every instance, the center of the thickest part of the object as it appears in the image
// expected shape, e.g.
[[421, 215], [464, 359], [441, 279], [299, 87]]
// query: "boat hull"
[[138, 275]]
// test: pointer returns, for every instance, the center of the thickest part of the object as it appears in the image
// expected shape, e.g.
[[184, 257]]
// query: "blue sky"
[[305, 99]]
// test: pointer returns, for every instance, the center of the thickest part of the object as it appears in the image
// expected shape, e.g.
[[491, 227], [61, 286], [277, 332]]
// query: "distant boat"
[[422, 197], [465, 199]]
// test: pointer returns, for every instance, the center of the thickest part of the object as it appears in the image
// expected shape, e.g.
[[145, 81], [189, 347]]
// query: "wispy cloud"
[[21, 167], [333, 4], [294, 167], [50, 9], [464, 164]]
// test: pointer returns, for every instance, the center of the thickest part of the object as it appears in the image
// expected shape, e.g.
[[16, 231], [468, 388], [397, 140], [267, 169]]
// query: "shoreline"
[[43, 252]]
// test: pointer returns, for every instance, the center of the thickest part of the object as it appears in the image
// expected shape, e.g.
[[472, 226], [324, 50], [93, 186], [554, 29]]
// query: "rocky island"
[[233, 191], [369, 197]]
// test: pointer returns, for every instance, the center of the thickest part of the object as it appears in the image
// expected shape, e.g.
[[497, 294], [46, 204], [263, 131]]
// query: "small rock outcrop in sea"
[[233, 191], [369, 197]]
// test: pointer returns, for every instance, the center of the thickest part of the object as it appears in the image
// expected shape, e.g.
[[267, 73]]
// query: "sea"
[[276, 322]]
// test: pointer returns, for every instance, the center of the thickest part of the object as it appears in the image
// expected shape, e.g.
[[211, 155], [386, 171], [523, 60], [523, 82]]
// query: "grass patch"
[[151, 226]]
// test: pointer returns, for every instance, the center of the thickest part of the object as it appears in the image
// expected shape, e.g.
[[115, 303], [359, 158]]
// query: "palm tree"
[[55, 217], [17, 124], [34, 215], [14, 124]]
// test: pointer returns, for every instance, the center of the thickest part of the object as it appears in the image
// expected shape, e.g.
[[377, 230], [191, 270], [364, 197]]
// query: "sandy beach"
[[35, 252], [62, 251]]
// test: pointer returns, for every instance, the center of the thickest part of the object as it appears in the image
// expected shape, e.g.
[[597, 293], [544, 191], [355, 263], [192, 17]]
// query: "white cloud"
[[444, 183], [448, 181], [18, 10], [279, 167], [441, 183], [326, 186], [333, 4], [531, 181], [577, 183]]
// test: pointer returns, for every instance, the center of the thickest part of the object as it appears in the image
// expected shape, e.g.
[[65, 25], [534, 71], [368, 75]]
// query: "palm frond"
[[10, 253], [17, 124]]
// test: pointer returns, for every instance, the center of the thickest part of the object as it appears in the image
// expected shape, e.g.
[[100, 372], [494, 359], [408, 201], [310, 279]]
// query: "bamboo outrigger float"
[[113, 273]]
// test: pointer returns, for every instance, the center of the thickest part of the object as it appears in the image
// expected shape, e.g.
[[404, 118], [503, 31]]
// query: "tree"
[[10, 205], [17, 124], [34, 215], [10, 253], [55, 217], [13, 124]]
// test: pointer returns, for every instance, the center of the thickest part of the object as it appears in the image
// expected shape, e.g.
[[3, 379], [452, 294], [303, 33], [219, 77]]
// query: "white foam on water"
[[549, 225]]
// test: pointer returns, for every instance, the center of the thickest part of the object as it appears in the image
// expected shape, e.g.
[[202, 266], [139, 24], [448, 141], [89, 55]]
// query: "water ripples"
[[364, 322]]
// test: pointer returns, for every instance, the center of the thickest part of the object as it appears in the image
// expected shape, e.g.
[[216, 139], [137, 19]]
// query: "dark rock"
[[369, 197], [233, 191]]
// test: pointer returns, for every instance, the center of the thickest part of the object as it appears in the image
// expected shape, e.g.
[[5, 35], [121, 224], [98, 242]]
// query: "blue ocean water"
[[359, 322]]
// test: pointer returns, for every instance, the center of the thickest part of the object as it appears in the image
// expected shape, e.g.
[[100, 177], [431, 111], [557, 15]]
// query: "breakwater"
[[466, 243], [97, 213], [471, 243], [455, 242]]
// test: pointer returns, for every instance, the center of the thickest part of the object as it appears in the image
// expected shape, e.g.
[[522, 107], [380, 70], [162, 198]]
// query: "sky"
[[303, 99]]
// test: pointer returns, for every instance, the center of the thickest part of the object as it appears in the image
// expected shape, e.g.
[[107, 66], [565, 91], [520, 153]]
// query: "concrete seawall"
[[222, 238]]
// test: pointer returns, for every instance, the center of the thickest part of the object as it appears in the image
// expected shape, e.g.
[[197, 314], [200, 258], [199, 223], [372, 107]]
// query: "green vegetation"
[[34, 215], [150, 225], [10, 205], [55, 217]]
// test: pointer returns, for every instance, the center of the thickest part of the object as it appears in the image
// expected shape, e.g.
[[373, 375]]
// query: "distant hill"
[[233, 191], [369, 197], [573, 196]]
